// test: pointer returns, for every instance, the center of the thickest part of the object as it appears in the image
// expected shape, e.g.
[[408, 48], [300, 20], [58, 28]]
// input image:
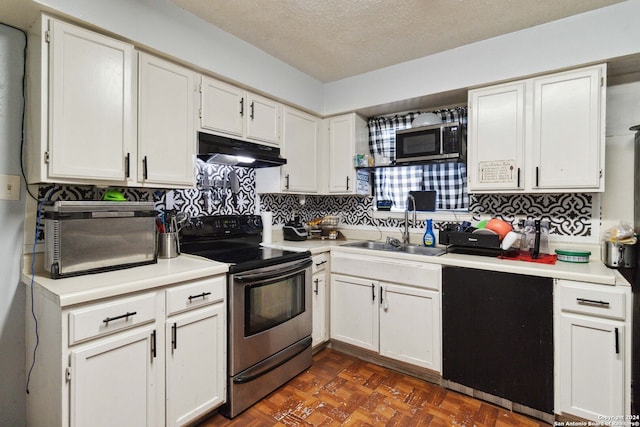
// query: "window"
[[448, 179]]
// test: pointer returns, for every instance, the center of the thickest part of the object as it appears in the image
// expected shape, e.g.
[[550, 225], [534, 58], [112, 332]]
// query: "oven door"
[[270, 310]]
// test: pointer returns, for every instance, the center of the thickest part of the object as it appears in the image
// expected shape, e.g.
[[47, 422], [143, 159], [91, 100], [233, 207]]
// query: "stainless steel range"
[[269, 306]]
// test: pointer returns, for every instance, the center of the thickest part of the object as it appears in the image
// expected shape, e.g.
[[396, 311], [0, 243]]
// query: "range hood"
[[229, 151]]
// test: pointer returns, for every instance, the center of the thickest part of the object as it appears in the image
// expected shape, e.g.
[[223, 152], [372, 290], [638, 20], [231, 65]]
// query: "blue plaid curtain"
[[449, 180]]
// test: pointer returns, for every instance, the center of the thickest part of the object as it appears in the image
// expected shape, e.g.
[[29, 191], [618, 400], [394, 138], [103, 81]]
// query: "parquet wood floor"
[[341, 390]]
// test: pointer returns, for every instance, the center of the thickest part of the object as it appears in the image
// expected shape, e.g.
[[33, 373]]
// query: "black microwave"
[[445, 141]]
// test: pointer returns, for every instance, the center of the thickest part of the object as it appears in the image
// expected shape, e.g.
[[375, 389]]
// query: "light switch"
[[9, 187]]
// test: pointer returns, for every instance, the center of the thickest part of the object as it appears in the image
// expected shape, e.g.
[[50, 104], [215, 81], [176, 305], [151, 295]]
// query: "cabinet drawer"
[[320, 262], [105, 318], [196, 294], [594, 302]]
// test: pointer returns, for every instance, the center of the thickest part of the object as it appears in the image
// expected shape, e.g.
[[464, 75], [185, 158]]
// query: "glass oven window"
[[269, 304]]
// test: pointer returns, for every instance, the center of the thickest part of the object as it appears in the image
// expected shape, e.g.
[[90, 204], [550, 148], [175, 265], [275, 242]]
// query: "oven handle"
[[272, 363], [272, 273]]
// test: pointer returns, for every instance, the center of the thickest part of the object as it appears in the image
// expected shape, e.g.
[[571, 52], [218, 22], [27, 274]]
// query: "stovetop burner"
[[234, 240]]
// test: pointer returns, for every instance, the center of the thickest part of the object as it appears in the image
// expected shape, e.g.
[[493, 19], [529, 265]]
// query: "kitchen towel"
[[267, 219]]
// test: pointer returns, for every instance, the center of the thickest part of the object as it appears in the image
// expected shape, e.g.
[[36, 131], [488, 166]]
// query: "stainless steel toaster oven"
[[90, 237]]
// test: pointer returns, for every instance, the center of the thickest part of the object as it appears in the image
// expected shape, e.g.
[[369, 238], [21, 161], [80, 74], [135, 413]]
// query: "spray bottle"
[[429, 238]]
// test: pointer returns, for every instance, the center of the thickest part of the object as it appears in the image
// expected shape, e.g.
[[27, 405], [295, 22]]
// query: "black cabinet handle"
[[381, 297], [537, 176], [202, 295], [315, 291], [592, 302], [122, 316], [174, 336], [347, 183], [318, 264], [144, 168], [241, 107], [251, 115], [373, 291], [127, 166], [153, 344], [286, 186], [518, 174], [617, 342]]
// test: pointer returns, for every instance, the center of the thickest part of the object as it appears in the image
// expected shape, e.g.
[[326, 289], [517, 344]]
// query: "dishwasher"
[[497, 334]]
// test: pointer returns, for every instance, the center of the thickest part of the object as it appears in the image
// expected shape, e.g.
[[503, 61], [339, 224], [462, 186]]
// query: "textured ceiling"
[[334, 39]]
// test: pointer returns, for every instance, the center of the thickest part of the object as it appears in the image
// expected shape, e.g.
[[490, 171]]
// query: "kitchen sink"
[[379, 246], [421, 250], [409, 249]]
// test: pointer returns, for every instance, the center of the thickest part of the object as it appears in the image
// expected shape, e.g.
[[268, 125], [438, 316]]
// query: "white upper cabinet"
[[300, 148], [348, 135], [85, 86], [166, 134], [230, 110], [544, 134], [263, 119], [83, 117], [496, 138], [568, 130]]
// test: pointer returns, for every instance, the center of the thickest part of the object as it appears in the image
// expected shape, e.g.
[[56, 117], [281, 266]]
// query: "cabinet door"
[[300, 148], [165, 123], [401, 306], [319, 307], [90, 121], [117, 381], [341, 152], [591, 367], [497, 138], [196, 364], [263, 119], [354, 311], [222, 107], [567, 133]]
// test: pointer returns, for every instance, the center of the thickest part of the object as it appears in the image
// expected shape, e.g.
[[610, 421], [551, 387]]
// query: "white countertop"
[[80, 289], [594, 271], [313, 246]]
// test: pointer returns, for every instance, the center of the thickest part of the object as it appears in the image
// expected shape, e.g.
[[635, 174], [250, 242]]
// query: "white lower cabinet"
[[593, 378], [354, 311], [397, 320], [320, 331], [115, 380], [111, 362], [195, 383], [402, 307]]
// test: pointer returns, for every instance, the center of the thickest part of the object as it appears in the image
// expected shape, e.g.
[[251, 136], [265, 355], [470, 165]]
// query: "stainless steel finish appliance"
[[90, 237], [269, 303], [439, 142], [269, 330]]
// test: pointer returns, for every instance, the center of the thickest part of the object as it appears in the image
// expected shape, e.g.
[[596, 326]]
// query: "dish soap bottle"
[[429, 238]]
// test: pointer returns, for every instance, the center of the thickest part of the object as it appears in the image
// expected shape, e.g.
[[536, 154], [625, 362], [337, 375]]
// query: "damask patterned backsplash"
[[568, 214], [214, 200]]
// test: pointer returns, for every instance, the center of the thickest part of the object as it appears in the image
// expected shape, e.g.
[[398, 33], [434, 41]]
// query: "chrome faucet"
[[405, 234]]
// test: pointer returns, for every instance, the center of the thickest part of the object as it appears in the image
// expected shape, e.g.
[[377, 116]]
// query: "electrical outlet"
[[9, 187]]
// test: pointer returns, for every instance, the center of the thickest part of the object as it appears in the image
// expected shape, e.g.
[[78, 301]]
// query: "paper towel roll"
[[267, 220]]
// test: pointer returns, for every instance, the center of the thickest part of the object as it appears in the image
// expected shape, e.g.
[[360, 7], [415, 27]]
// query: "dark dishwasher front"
[[498, 334]]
